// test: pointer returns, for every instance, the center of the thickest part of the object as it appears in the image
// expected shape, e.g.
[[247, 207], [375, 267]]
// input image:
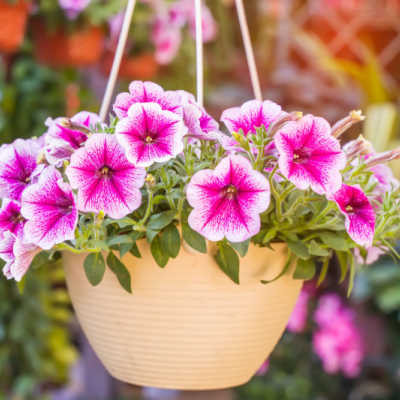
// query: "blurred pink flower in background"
[[73, 8], [337, 341], [263, 369], [298, 320], [167, 39]]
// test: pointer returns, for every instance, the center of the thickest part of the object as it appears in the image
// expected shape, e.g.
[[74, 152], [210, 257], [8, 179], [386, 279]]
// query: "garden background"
[[321, 56]]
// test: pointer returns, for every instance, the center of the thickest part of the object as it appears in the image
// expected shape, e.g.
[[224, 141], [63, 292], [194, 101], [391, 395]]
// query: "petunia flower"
[[167, 39], [7, 247], [227, 201], [64, 136], [209, 26], [373, 254], [309, 156], [50, 210], [105, 179], [359, 214], [146, 92], [251, 115], [11, 219], [17, 163], [73, 8], [149, 134], [199, 123]]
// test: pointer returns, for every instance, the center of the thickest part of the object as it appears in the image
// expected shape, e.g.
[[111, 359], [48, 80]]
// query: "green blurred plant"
[[27, 97], [34, 342]]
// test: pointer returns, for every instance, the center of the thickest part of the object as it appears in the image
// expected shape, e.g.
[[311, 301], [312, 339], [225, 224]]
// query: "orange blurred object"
[[61, 49], [13, 18], [142, 67]]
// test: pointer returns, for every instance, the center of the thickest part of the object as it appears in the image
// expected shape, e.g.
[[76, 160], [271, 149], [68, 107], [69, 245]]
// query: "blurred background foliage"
[[319, 56]]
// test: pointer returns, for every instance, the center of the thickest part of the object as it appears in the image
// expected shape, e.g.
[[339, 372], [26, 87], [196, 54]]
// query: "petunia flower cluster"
[[165, 168]]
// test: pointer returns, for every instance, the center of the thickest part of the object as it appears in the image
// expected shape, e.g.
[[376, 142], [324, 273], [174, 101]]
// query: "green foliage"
[[95, 267], [228, 261], [120, 271], [34, 342]]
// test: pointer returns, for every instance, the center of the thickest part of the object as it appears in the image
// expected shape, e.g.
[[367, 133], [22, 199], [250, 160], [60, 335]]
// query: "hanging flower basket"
[[143, 66], [13, 16], [185, 326], [58, 48]]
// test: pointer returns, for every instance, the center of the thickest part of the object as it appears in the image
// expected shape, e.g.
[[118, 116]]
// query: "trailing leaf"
[[159, 221], [95, 267], [193, 239], [171, 240], [120, 271], [299, 249], [160, 255], [228, 261], [305, 269]]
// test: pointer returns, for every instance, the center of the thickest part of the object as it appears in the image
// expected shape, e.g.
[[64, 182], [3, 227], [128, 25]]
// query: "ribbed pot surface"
[[186, 326]]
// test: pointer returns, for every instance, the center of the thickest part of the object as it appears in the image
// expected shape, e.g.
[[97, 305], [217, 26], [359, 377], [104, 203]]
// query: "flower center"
[[300, 156], [17, 218], [105, 171], [230, 191], [149, 139], [349, 208]]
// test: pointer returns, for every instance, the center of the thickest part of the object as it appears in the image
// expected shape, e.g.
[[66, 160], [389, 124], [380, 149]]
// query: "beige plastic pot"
[[186, 326]]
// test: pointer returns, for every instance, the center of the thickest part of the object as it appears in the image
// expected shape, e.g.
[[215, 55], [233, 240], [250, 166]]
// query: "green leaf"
[[352, 275], [242, 248], [317, 250], [171, 240], [305, 269], [269, 236], [285, 269], [150, 234], [124, 248], [343, 263], [194, 239], [334, 241], [158, 252], [299, 249], [123, 239], [324, 271], [228, 261], [121, 272], [160, 221], [95, 267], [135, 251]]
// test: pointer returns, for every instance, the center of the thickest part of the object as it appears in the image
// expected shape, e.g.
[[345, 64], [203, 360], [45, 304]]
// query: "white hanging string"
[[117, 59], [255, 81], [199, 53]]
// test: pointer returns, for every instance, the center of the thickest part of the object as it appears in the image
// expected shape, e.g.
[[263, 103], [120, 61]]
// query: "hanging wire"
[[255, 81], [117, 59], [199, 53]]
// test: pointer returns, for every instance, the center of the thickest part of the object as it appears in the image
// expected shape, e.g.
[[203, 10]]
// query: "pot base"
[[187, 326]]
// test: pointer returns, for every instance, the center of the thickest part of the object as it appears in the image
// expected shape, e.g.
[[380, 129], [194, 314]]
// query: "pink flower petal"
[[11, 219], [105, 179], [150, 134], [49, 207], [309, 156], [227, 201]]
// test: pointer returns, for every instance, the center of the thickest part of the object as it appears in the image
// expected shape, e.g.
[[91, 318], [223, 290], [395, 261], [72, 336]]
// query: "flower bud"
[[344, 124], [358, 147], [242, 140], [384, 157], [150, 181]]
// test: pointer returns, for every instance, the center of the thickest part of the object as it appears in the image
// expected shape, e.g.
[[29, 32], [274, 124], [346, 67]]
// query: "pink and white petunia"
[[167, 39], [309, 156], [62, 140], [146, 92], [17, 163], [105, 179], [227, 201], [251, 115], [359, 214], [50, 210], [73, 8], [11, 219], [7, 247], [199, 123], [150, 134]]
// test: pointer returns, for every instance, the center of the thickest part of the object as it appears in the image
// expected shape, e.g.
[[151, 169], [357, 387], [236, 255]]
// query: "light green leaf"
[[334, 241], [242, 248], [161, 220], [317, 250], [95, 267], [123, 239], [299, 249], [120, 271]]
